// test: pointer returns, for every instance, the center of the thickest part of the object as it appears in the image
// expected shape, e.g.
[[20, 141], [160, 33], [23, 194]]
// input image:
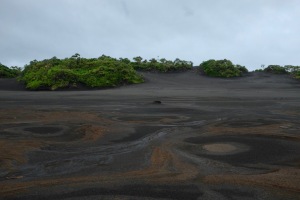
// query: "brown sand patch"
[[219, 148], [24, 115], [160, 159], [91, 132], [166, 167], [14, 152], [70, 116], [287, 178]]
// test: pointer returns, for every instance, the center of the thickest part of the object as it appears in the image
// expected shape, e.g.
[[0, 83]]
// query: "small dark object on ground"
[[156, 102]]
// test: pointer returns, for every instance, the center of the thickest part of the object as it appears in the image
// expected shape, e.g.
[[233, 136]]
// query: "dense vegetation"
[[6, 72], [293, 70], [104, 71], [57, 73], [161, 65], [277, 69], [222, 68]]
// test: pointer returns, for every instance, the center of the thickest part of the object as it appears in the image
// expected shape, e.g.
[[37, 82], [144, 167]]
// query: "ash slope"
[[117, 143]]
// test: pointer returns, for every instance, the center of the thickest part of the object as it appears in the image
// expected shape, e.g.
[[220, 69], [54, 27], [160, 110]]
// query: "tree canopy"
[[161, 65], [104, 71], [6, 72], [99, 72], [287, 69], [222, 68]]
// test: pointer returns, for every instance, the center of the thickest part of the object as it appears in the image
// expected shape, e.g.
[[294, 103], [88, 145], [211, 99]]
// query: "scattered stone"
[[156, 102]]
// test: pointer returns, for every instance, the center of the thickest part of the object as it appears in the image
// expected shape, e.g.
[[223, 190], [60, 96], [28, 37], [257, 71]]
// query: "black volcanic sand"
[[176, 136]]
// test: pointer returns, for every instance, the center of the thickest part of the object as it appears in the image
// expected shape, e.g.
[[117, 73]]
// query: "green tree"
[[6, 72], [276, 69], [63, 73], [162, 65], [76, 56], [222, 68], [138, 59]]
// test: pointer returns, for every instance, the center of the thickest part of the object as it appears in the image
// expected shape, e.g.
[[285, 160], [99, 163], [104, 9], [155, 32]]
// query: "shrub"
[[242, 69], [287, 69], [297, 75], [6, 72], [69, 72], [294, 70], [276, 69], [258, 70], [222, 68], [161, 65]]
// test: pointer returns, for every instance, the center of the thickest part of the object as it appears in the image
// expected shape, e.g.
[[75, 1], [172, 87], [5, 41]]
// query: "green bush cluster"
[[6, 72], [57, 73], [161, 65], [297, 75], [287, 69], [276, 69], [222, 68]]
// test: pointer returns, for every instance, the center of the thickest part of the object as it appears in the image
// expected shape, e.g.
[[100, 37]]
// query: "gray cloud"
[[247, 32]]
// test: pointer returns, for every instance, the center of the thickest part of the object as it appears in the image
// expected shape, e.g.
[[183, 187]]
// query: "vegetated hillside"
[[222, 68], [99, 72], [106, 71], [6, 72], [57, 73], [287, 69]]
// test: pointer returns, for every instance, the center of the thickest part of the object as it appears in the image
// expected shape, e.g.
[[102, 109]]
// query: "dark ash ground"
[[177, 136]]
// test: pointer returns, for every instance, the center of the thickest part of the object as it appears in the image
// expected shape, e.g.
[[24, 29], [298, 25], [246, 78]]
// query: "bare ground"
[[208, 139]]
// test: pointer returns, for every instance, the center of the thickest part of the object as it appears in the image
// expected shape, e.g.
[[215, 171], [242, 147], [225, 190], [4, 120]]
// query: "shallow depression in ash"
[[51, 131], [239, 150], [48, 130]]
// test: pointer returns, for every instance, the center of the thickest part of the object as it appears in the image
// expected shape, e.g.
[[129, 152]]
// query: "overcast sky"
[[248, 32]]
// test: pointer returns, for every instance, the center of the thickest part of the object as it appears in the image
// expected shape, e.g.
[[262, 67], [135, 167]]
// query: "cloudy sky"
[[248, 32]]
